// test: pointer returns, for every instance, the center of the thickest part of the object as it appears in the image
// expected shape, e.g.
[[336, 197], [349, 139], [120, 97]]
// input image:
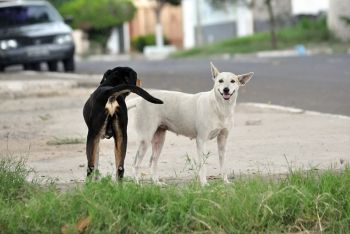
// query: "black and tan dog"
[[106, 116]]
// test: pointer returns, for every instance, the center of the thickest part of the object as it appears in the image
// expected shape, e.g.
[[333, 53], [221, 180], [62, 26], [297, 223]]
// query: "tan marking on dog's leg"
[[111, 106], [138, 83]]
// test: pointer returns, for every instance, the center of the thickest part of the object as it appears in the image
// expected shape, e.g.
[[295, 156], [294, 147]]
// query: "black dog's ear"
[[107, 73]]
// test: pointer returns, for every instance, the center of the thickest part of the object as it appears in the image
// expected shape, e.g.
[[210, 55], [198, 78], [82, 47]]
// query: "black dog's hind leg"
[[120, 144], [92, 148]]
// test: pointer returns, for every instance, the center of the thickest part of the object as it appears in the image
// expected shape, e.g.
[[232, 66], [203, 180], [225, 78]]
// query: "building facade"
[[144, 21]]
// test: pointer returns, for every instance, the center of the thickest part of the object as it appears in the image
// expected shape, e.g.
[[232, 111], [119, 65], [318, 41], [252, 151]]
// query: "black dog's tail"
[[120, 89]]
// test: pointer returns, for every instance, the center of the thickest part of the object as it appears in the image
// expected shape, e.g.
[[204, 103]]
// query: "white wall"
[[337, 9], [245, 23], [309, 6], [208, 16], [211, 15]]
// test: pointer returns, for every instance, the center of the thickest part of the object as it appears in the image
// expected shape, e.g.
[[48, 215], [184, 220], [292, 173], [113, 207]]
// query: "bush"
[[138, 43]]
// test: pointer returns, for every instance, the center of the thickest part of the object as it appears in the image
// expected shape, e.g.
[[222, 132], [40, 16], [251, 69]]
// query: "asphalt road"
[[318, 83]]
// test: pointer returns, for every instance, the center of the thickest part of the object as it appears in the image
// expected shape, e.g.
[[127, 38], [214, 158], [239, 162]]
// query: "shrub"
[[139, 43]]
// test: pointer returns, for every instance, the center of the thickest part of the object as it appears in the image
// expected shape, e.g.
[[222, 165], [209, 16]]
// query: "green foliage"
[[13, 184], [172, 2], [139, 43], [301, 202], [57, 3], [304, 32], [346, 19], [100, 14]]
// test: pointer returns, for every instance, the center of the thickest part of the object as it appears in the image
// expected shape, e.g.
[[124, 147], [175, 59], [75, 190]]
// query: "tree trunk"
[[272, 24]]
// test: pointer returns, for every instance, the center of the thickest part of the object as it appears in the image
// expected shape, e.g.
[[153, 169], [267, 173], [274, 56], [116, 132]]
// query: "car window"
[[29, 14]]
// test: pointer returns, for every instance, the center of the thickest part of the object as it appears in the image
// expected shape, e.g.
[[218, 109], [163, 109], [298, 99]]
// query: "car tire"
[[52, 66], [32, 66], [68, 64], [2, 68]]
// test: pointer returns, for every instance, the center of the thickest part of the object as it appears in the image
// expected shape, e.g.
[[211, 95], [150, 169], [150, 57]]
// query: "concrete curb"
[[293, 110], [29, 83], [13, 89]]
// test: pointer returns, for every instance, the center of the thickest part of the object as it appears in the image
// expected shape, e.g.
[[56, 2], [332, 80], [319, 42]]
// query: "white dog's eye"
[[232, 81], [221, 81]]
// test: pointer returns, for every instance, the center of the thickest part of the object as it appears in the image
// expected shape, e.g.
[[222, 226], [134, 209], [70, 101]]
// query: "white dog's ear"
[[214, 71], [244, 78]]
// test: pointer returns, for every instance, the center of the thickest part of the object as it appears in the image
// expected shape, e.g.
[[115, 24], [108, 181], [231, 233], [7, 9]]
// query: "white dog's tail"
[[131, 103]]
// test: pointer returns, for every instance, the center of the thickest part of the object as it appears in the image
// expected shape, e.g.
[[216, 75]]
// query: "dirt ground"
[[266, 140]]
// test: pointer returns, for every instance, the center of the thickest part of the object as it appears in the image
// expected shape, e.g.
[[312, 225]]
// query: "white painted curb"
[[292, 110]]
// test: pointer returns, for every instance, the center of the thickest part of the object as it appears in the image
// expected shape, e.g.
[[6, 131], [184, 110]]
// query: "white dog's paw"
[[159, 183], [156, 181], [203, 182], [225, 179]]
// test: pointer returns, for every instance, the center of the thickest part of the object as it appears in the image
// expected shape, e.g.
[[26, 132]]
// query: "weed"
[[302, 201], [65, 141]]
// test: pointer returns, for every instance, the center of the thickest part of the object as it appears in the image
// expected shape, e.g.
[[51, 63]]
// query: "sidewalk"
[[265, 139]]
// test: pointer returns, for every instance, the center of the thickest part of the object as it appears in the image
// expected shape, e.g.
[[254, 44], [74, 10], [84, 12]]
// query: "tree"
[[100, 14], [158, 10], [251, 4], [272, 24], [96, 18]]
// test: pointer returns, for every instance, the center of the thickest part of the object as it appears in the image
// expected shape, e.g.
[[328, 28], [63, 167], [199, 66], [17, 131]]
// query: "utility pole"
[[199, 29]]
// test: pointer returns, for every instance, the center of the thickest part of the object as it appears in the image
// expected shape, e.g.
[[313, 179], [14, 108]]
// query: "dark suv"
[[32, 32]]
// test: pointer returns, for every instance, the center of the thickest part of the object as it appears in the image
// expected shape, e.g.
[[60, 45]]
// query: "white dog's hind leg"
[[157, 145], [139, 157], [202, 155], [222, 139]]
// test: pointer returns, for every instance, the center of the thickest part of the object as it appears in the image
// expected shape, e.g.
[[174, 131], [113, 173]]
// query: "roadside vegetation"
[[310, 33], [310, 201], [65, 141]]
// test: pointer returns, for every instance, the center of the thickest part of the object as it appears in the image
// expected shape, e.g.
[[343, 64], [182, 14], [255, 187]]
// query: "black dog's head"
[[120, 75]]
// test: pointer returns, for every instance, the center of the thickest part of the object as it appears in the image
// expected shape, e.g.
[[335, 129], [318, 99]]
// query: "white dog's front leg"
[[222, 139], [202, 155], [138, 159]]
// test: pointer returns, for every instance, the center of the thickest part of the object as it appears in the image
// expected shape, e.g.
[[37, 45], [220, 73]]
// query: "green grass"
[[309, 33], [303, 201]]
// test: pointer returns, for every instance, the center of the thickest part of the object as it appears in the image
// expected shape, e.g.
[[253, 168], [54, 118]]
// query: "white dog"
[[202, 116]]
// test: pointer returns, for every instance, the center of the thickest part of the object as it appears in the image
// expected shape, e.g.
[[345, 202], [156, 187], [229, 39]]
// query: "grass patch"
[[307, 32], [313, 201], [65, 141]]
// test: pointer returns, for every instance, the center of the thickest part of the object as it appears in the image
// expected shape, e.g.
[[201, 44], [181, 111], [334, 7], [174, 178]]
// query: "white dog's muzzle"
[[227, 96]]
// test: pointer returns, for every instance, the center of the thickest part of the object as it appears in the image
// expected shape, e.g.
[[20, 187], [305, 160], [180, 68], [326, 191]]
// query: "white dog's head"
[[226, 83]]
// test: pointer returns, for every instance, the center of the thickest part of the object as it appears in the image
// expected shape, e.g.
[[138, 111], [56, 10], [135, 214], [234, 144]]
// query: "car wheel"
[[52, 65], [32, 66], [68, 64], [2, 68]]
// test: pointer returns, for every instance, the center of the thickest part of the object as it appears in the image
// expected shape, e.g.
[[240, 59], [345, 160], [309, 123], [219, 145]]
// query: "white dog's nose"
[[226, 90]]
